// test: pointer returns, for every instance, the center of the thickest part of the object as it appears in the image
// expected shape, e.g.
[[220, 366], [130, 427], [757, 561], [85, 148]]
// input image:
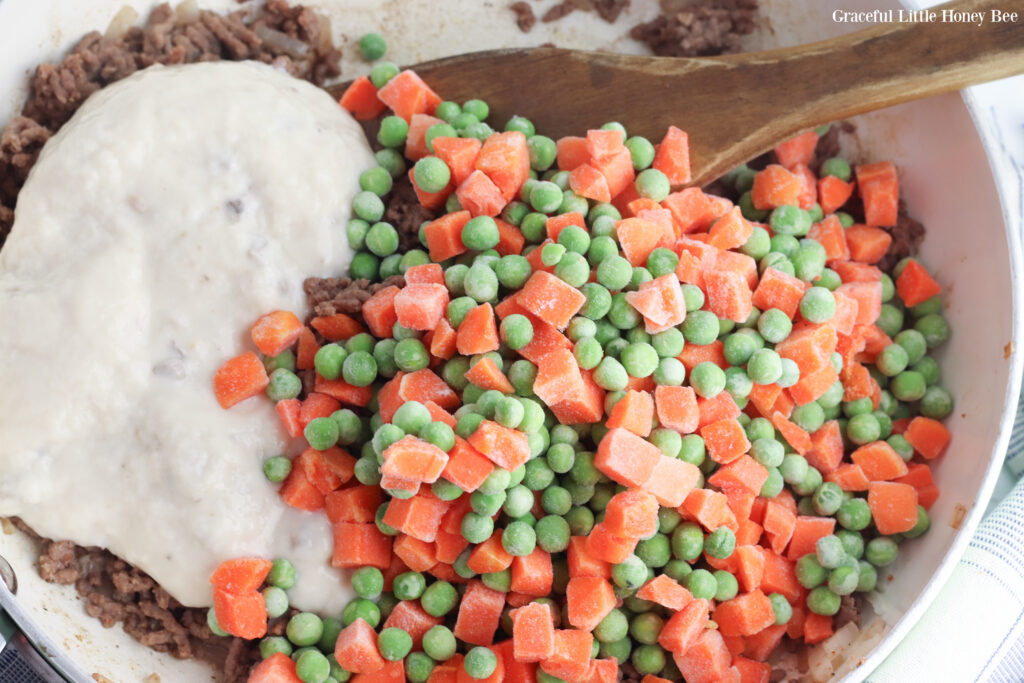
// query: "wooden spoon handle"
[[887, 64]]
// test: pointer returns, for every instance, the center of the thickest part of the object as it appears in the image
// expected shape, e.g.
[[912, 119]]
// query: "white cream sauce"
[[175, 208]]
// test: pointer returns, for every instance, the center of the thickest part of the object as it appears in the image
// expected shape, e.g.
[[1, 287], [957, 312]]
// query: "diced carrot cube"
[[299, 492], [459, 154], [929, 437], [617, 169], [626, 458], [505, 159], [505, 447], [833, 193], [279, 667], [550, 299], [243, 615], [710, 509], [632, 514], [725, 440], [673, 156], [607, 547], [797, 150], [915, 285], [879, 461], [240, 378], [479, 612], [421, 306], [849, 477], [582, 563], [589, 600], [356, 649], [744, 472], [775, 186], [406, 94], [360, 99], [532, 574], [893, 506], [444, 238], [684, 627], [730, 231], [779, 290], [587, 181], [556, 224], [666, 592], [806, 532], [571, 658], [671, 481], [571, 152], [423, 386], [745, 614], [419, 516], [728, 295], [379, 312], [358, 545], [635, 412], [879, 189], [480, 196], [638, 238], [533, 632]]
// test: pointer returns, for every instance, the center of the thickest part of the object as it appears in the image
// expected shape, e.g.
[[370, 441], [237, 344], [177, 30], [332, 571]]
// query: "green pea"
[[552, 533], [774, 325], [645, 628], [687, 542], [728, 586], [809, 572], [382, 239], [881, 551], [630, 573], [542, 152], [372, 46], [702, 584], [764, 366], [305, 628], [614, 273], [720, 543], [641, 151], [439, 642], [790, 220], [817, 305], [652, 184], [277, 468]]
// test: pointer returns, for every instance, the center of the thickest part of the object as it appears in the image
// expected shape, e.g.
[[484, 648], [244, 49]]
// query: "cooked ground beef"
[[115, 592], [692, 28], [525, 18], [907, 236], [609, 10], [57, 90], [330, 295]]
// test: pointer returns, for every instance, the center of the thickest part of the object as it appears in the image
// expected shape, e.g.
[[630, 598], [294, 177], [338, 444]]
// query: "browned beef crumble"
[[331, 295], [609, 10], [697, 28], [113, 592], [57, 90], [525, 18]]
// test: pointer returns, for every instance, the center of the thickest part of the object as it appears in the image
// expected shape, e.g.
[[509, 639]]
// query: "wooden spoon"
[[735, 107]]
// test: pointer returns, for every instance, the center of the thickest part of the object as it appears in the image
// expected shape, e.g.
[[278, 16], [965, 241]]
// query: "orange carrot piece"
[[879, 189], [779, 290], [728, 295], [414, 459], [532, 574], [379, 312], [278, 668], [571, 658], [571, 152], [710, 509], [406, 94], [830, 233], [673, 156], [806, 532], [419, 516], [360, 99], [416, 139], [632, 514], [356, 648], [817, 627], [505, 159], [533, 632], [929, 437], [587, 181], [744, 473], [489, 556], [893, 506], [879, 461], [478, 332], [730, 231], [683, 628], [505, 447], [357, 545], [421, 306], [444, 237], [556, 224], [353, 504], [243, 615], [833, 193], [725, 440], [417, 555], [867, 243], [589, 600], [626, 458], [915, 285], [459, 154], [467, 468], [745, 614], [638, 238], [607, 547], [276, 331], [707, 661], [550, 299], [671, 481], [634, 411], [582, 562], [240, 378], [479, 195], [241, 574], [666, 592], [797, 150], [479, 612], [775, 186], [487, 375]]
